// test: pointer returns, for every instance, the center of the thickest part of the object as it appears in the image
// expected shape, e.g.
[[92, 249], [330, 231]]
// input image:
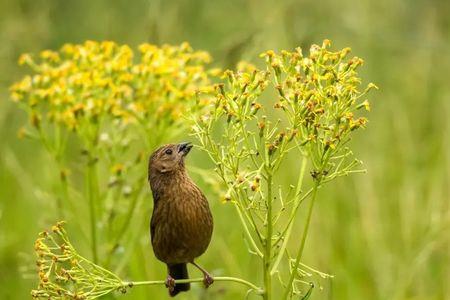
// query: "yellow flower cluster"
[[65, 274], [319, 93], [318, 97], [305, 105], [103, 79]]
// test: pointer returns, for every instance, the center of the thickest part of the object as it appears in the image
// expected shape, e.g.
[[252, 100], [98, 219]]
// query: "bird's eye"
[[168, 151]]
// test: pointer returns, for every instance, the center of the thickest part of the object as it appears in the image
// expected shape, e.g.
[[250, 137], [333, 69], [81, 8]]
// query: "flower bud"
[[262, 126]]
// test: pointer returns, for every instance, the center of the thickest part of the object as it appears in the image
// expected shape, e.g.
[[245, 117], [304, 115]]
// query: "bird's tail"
[[179, 271]]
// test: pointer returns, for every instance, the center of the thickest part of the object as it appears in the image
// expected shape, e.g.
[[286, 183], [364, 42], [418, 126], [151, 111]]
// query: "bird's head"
[[169, 158]]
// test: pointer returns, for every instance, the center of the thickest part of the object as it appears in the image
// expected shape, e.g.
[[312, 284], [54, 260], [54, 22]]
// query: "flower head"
[[82, 83], [64, 274]]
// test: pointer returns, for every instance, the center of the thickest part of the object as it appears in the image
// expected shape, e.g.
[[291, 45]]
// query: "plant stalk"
[[292, 216], [216, 279], [268, 243], [303, 241], [247, 231], [92, 191]]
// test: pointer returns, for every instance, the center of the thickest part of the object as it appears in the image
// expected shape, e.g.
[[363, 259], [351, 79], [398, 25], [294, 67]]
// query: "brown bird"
[[181, 224]]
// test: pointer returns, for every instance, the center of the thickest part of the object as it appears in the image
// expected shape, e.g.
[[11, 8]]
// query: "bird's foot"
[[170, 283], [207, 280]]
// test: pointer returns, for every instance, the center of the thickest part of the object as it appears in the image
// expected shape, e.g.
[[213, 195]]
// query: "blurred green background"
[[383, 235]]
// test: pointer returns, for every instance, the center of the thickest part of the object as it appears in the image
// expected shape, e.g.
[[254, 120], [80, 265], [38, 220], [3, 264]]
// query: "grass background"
[[384, 235]]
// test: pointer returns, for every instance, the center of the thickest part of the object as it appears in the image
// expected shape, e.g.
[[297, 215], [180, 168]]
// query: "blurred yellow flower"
[[93, 79]]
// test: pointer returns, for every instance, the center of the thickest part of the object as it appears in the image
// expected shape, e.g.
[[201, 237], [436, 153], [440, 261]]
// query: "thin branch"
[[216, 279]]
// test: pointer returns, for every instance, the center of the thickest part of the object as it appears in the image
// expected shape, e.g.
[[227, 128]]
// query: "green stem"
[[247, 231], [53, 151], [268, 242], [247, 213], [64, 196], [131, 243], [302, 244], [216, 279], [92, 190], [292, 216], [128, 218]]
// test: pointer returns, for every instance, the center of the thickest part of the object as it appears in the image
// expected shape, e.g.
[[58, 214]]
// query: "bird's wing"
[[153, 219]]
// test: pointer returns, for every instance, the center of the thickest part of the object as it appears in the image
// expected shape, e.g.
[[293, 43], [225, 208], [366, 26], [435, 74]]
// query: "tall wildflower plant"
[[99, 108], [98, 95], [317, 105]]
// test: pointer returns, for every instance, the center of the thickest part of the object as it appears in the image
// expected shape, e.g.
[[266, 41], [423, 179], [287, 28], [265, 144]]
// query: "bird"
[[181, 224]]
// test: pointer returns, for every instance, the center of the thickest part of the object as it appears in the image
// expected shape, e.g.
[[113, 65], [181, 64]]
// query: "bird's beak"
[[185, 148]]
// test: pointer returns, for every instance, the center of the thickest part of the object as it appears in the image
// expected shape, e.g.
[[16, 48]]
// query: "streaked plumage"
[[181, 224]]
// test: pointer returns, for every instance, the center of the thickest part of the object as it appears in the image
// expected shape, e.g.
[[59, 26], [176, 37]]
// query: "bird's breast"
[[181, 225]]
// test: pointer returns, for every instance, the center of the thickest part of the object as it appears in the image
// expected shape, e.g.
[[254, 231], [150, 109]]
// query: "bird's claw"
[[208, 280], [170, 283]]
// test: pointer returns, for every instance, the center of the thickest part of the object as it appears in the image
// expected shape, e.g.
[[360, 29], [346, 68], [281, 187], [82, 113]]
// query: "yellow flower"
[[101, 78], [50, 56], [117, 169], [366, 105], [326, 43], [269, 53], [25, 59]]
